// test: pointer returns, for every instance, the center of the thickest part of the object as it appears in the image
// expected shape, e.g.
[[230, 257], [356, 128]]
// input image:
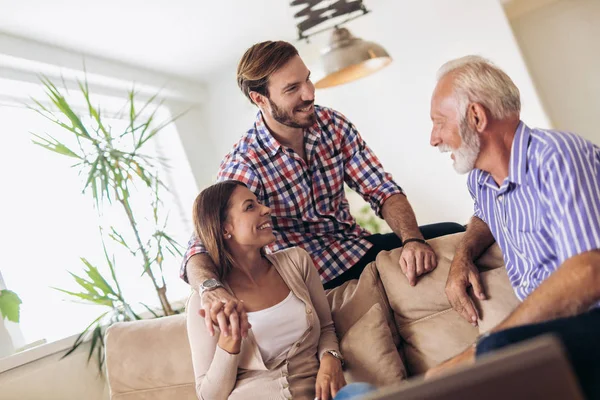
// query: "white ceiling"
[[185, 38]]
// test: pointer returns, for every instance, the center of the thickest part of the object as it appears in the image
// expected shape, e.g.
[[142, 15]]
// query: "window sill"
[[36, 353], [45, 350]]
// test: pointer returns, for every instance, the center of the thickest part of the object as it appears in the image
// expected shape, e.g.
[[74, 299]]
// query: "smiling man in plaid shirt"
[[296, 158]]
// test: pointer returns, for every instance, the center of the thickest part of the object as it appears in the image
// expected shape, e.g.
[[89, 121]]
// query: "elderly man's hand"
[[417, 259], [463, 275]]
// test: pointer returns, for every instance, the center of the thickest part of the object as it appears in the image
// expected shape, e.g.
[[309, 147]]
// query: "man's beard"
[[286, 118], [466, 155]]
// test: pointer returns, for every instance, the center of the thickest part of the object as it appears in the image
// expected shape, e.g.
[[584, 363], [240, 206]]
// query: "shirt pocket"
[[530, 235], [288, 195], [524, 214]]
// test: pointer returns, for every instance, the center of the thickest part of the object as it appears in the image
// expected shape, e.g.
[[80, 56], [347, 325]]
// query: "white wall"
[[391, 108], [560, 43], [192, 127]]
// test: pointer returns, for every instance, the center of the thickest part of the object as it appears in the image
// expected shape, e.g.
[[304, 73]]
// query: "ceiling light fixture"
[[347, 57]]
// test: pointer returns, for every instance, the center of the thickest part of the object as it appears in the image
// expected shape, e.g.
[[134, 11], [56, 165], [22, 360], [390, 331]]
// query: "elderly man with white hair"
[[537, 194]]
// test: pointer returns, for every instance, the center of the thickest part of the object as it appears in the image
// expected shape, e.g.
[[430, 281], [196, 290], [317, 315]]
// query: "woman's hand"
[[212, 304], [330, 378], [228, 316]]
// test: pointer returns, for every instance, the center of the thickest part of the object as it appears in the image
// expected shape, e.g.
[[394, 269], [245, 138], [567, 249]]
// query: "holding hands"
[[220, 308]]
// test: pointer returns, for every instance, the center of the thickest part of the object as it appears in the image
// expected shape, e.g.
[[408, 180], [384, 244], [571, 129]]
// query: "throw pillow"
[[369, 351]]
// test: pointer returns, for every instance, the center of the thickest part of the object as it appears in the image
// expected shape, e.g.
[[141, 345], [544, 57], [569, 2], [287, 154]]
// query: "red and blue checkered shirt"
[[308, 205]]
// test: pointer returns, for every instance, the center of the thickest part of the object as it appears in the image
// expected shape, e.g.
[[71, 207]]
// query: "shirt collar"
[[272, 145], [517, 165], [269, 142]]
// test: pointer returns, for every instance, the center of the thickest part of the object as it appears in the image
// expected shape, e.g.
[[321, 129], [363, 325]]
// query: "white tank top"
[[278, 327]]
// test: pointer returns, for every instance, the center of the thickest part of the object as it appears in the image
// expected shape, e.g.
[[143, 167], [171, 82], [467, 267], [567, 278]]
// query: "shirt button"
[[500, 197], [286, 385], [298, 344], [308, 310]]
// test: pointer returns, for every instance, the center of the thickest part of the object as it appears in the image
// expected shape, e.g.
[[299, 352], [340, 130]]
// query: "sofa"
[[388, 330]]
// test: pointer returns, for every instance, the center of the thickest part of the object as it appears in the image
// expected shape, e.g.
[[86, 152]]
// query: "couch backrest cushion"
[[370, 353], [353, 299], [150, 359], [365, 325], [500, 299], [431, 330]]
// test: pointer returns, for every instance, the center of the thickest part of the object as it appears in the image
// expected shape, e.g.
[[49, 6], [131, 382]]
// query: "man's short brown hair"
[[261, 61]]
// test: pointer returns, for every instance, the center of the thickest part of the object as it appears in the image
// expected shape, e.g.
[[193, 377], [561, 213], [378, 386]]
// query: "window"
[[48, 224]]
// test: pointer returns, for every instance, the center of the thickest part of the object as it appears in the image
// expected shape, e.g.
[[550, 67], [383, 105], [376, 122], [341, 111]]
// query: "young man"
[[537, 194], [296, 158]]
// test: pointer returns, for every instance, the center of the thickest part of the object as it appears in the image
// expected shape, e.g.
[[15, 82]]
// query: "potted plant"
[[114, 164]]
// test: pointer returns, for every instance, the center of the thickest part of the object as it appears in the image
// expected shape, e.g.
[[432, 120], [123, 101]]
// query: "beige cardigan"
[[220, 375]]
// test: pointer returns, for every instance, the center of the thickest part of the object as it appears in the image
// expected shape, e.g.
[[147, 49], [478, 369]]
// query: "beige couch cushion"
[[370, 353], [501, 299], [150, 359], [431, 329], [350, 301], [357, 307]]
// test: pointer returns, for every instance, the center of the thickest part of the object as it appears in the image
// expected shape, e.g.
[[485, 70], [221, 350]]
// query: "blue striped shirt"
[[547, 209]]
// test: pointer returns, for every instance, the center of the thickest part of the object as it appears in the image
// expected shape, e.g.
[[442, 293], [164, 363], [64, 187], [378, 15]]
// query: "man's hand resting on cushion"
[[417, 259], [218, 305], [464, 274]]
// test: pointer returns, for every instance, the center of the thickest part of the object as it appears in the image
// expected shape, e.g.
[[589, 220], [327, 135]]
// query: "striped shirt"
[[308, 205], [547, 209]]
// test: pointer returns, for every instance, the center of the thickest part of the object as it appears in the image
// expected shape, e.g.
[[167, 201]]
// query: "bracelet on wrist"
[[422, 241]]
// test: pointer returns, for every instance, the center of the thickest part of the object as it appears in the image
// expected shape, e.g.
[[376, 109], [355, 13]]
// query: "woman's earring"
[[228, 236]]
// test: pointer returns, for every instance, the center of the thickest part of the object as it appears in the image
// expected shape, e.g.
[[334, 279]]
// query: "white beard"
[[466, 155]]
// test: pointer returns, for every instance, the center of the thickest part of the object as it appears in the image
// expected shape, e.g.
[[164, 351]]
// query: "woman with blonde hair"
[[291, 350]]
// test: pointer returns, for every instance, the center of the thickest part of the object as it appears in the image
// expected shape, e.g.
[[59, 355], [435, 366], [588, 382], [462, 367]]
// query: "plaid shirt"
[[308, 205]]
